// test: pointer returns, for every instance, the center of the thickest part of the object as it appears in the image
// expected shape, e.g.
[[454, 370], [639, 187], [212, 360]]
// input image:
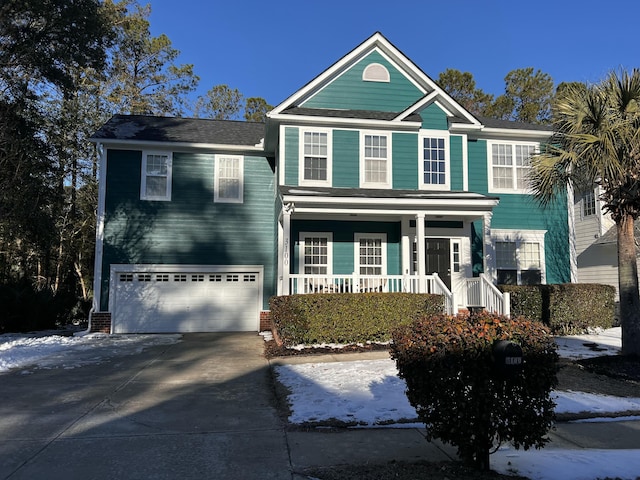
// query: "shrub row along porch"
[[479, 292]]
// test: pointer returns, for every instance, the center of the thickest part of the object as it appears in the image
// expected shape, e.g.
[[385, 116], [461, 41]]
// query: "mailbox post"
[[507, 358]]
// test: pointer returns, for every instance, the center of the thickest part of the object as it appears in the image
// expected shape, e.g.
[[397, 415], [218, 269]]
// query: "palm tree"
[[597, 142]]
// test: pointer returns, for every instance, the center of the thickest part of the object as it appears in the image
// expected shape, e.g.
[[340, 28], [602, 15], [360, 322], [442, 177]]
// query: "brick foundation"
[[101, 322], [265, 321]]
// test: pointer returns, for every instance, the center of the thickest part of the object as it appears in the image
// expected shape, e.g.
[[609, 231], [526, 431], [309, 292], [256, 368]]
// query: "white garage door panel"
[[186, 302]]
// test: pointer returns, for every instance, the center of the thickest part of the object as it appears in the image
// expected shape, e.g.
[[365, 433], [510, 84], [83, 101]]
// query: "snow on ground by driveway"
[[366, 392], [55, 351]]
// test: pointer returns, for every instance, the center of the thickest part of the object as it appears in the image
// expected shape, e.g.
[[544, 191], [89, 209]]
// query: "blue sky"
[[272, 48]]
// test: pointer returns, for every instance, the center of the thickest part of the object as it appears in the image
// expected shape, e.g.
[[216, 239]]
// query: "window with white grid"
[[315, 253], [509, 166], [588, 203], [156, 176], [228, 185], [520, 257], [316, 157], [376, 160], [371, 254]]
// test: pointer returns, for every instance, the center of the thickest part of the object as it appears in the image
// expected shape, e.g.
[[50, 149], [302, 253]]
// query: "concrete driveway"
[[197, 409]]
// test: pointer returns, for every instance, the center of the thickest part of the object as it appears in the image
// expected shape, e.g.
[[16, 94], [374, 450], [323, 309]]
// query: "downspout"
[[573, 256], [97, 266]]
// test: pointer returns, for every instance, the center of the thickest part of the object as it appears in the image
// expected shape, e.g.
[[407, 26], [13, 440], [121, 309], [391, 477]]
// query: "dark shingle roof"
[[381, 193], [180, 130], [496, 123], [336, 113]]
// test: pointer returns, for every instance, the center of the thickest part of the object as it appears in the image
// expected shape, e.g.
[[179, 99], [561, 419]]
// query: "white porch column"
[[284, 265], [489, 248], [422, 267], [405, 246]]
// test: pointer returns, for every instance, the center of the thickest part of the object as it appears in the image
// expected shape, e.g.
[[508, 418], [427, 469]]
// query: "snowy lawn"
[[367, 393]]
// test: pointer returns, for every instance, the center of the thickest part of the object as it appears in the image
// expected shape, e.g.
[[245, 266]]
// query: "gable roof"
[[431, 91], [183, 131]]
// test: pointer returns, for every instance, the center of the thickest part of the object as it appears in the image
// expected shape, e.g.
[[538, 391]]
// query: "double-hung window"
[[588, 203], [434, 161], [229, 179], [509, 166], [156, 176], [520, 257], [375, 160], [315, 257], [315, 152], [371, 253]]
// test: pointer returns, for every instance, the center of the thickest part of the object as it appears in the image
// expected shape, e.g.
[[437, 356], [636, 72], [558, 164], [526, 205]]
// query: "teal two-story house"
[[368, 178]]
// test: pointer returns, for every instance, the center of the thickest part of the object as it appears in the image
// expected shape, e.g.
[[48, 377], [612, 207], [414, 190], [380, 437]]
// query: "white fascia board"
[[465, 127], [141, 144], [501, 133], [391, 212], [417, 105], [300, 120], [480, 203]]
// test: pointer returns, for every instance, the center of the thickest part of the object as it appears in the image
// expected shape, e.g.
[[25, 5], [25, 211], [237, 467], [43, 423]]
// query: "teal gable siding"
[[434, 118], [405, 161], [477, 165], [343, 246], [351, 92], [455, 162], [190, 229], [291, 153], [346, 158]]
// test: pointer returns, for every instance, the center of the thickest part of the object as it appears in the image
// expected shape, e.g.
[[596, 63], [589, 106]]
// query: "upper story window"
[[156, 176], [434, 161], [375, 160], [509, 165], [374, 72], [588, 203], [315, 153], [229, 179]]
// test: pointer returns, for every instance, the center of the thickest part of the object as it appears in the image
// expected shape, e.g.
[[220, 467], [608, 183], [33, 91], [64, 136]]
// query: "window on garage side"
[[229, 179], [156, 176]]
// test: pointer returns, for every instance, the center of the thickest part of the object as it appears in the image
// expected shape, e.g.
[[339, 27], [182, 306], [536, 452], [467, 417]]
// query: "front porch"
[[479, 292]]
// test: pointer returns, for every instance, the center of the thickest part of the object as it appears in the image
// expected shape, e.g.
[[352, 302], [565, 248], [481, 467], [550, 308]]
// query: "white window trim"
[[315, 183], [514, 188], [301, 241], [143, 180], [523, 236], [356, 249], [447, 159], [387, 183], [216, 187]]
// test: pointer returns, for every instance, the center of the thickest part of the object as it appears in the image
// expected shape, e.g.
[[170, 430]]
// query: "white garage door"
[[163, 302]]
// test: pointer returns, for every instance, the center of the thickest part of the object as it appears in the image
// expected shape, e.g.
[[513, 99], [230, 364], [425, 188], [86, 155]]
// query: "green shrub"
[[347, 317], [453, 383], [567, 309]]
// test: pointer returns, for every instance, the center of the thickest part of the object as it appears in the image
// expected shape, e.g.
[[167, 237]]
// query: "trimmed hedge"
[[347, 317], [461, 395], [567, 309]]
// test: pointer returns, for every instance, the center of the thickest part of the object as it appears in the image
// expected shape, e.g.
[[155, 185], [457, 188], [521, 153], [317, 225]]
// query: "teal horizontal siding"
[[191, 228], [434, 118], [291, 154], [349, 91], [346, 158], [456, 163], [405, 161], [343, 242]]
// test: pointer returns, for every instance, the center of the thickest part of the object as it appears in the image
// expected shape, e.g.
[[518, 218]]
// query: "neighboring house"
[[368, 178], [596, 240]]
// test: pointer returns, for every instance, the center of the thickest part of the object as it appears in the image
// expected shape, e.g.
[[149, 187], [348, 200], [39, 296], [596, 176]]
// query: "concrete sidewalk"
[[201, 408]]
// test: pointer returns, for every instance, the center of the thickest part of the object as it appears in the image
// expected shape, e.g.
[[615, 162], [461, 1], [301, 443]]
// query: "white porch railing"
[[482, 293], [301, 284]]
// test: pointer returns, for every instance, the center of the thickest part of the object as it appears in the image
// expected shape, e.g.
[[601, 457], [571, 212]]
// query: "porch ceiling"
[[348, 201]]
